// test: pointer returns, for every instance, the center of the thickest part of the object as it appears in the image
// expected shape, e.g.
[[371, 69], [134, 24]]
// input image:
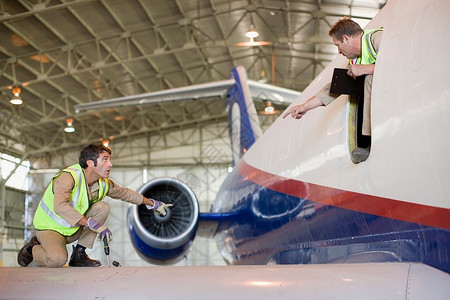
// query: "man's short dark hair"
[[345, 26], [91, 152]]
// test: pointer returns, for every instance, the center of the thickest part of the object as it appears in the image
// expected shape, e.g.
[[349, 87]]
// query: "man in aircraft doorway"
[[361, 48], [72, 210]]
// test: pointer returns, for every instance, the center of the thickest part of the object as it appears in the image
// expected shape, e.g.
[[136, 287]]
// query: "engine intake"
[[164, 240]]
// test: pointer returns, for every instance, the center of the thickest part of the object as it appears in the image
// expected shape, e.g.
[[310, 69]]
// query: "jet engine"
[[164, 240]]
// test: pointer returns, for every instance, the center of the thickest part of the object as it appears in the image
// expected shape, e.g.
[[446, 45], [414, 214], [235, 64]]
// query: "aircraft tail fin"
[[243, 120]]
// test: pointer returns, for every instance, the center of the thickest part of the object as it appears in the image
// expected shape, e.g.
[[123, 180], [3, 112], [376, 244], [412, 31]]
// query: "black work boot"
[[25, 256], [361, 154], [79, 258]]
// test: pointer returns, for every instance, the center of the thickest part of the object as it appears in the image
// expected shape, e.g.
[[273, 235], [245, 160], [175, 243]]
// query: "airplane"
[[296, 195], [298, 216]]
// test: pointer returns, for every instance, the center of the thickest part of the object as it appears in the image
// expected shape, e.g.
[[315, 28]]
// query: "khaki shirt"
[[324, 94], [62, 189]]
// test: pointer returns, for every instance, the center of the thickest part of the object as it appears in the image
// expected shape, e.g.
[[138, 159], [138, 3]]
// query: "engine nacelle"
[[164, 240]]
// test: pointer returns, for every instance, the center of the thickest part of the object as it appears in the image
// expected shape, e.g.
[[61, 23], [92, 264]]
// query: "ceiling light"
[[16, 100], [105, 143], [69, 128], [269, 109], [252, 33]]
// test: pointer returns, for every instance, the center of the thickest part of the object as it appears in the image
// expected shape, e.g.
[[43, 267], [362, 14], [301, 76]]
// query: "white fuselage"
[[409, 159]]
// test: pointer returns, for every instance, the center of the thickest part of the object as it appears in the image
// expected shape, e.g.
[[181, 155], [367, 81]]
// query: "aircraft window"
[[359, 144], [357, 141]]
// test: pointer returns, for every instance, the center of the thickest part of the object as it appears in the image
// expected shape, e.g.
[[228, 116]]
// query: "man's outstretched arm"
[[300, 110]]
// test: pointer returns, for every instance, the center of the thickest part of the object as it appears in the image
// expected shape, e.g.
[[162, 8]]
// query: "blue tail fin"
[[242, 118]]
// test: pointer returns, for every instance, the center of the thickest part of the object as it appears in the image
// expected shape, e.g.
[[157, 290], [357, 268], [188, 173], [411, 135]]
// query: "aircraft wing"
[[273, 93], [339, 281], [258, 90]]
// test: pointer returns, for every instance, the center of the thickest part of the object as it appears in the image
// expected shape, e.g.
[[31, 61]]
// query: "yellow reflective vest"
[[368, 53], [46, 218]]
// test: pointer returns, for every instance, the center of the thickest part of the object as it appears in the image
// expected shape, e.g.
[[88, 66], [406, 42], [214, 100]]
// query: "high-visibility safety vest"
[[46, 218], [368, 53]]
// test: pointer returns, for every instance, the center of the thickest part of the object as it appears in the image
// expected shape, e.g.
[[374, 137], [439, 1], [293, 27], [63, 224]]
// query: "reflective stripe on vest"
[[368, 53], [55, 217], [76, 196], [370, 49], [103, 188]]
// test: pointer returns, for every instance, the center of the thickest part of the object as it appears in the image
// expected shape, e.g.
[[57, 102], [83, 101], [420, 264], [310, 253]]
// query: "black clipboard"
[[342, 83]]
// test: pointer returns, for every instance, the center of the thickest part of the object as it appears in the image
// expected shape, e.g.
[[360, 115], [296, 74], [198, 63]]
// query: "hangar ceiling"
[[66, 52]]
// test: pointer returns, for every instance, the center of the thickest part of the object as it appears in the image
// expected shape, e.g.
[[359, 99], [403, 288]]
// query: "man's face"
[[348, 46], [104, 165]]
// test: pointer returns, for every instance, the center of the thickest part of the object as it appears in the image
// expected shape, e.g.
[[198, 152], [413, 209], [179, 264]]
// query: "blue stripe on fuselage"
[[279, 228]]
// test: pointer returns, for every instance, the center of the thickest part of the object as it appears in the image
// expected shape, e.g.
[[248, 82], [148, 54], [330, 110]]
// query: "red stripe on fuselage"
[[385, 207]]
